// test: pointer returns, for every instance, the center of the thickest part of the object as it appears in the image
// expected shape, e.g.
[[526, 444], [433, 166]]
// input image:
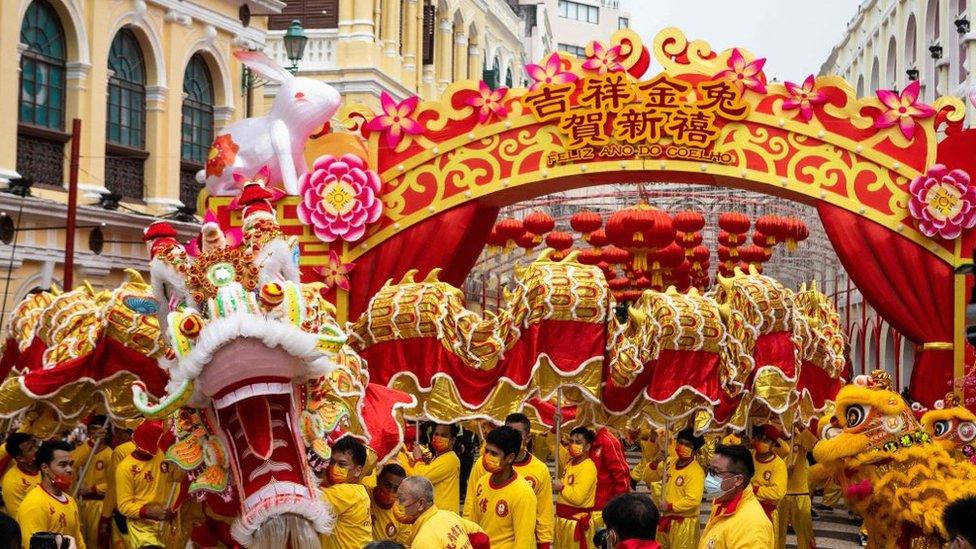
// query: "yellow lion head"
[[869, 422], [950, 424]]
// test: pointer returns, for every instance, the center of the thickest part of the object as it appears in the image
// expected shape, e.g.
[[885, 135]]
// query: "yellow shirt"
[[439, 529], [95, 476], [744, 527], [353, 527], [799, 469], [684, 489], [579, 484], [139, 483], [536, 473], [15, 485], [770, 479], [444, 472], [42, 512], [386, 526], [119, 453], [506, 513]]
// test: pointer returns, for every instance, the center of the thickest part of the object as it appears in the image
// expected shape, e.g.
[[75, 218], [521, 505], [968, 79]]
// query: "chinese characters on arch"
[[611, 117]]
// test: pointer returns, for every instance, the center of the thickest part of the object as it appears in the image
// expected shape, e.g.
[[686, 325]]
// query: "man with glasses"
[[434, 528], [737, 520]]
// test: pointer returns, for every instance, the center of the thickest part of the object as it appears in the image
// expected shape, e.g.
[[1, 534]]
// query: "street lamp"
[[295, 41], [912, 74], [936, 51], [962, 25]]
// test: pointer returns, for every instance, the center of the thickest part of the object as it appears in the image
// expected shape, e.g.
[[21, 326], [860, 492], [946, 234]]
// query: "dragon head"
[[951, 425], [870, 421]]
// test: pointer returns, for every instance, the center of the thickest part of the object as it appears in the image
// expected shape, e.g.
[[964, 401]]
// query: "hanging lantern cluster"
[[642, 247]]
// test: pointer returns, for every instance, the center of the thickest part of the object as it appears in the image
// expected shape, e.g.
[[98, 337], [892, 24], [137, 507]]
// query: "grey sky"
[[795, 37]]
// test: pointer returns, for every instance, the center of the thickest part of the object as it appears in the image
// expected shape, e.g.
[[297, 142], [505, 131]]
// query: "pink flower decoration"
[[603, 60], [804, 97], [334, 272], [745, 75], [943, 202], [339, 198], [395, 121], [902, 109], [488, 102], [550, 74]]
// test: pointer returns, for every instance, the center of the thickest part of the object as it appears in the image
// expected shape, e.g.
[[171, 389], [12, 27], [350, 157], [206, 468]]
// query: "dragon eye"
[[942, 427], [854, 415]]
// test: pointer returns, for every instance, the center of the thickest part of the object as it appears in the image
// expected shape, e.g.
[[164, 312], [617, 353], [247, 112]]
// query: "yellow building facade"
[[404, 47], [151, 81]]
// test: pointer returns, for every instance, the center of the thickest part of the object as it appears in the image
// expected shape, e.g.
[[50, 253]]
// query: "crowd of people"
[[115, 489]]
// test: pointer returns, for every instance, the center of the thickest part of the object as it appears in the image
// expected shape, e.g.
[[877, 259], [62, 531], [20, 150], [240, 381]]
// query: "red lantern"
[[632, 295], [730, 241], [559, 240], [598, 238], [796, 232], [689, 221], [699, 256], [495, 241], [510, 228], [768, 227], [642, 283], [538, 223], [725, 256], [640, 229], [590, 256], [763, 240], [608, 271], [615, 255], [688, 240], [585, 222], [619, 283], [527, 241], [752, 254], [734, 222]]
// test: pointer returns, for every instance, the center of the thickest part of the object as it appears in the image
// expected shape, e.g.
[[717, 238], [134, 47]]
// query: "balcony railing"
[[320, 51]]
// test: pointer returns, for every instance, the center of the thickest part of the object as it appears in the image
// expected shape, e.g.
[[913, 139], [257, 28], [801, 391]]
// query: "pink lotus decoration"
[[804, 97], [943, 202], [744, 75], [340, 196], [395, 122], [549, 74], [904, 109], [604, 59]]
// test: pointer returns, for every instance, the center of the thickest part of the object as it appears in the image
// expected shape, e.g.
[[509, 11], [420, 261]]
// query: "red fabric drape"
[[910, 288], [452, 241]]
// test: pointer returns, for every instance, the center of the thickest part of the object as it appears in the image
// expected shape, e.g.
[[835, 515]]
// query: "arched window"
[[508, 77], [198, 122], [891, 63], [911, 49], [40, 135], [875, 77], [860, 86], [125, 120]]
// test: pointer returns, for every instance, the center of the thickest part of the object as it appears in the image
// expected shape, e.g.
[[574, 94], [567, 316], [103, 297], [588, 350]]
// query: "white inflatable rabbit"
[[277, 139]]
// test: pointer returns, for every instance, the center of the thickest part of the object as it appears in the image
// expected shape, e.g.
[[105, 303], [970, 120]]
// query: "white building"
[[891, 42]]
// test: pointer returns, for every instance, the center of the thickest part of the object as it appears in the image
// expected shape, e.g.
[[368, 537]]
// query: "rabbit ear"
[[263, 65]]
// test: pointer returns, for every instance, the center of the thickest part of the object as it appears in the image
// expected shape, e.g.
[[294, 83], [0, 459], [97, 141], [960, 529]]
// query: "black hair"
[[588, 435], [384, 544], [506, 438], [959, 519], [392, 469], [99, 420], [740, 459], [45, 453], [455, 429], [519, 418], [688, 435], [12, 446], [631, 516], [353, 447]]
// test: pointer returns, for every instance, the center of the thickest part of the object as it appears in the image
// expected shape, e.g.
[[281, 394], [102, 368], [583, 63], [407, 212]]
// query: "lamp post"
[[295, 40]]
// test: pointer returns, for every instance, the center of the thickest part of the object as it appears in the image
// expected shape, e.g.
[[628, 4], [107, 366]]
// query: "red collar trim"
[[772, 456], [26, 472], [140, 455], [503, 485], [524, 462], [63, 495], [725, 509]]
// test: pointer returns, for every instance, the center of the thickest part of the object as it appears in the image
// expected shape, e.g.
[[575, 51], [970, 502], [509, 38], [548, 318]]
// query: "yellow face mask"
[[575, 450], [684, 452], [492, 463], [337, 474]]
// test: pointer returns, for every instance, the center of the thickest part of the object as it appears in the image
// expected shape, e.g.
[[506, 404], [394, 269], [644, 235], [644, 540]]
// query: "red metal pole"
[[69, 235]]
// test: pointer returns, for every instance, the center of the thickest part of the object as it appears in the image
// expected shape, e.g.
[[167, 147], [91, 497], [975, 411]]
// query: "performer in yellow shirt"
[[146, 486], [737, 520], [122, 447], [91, 489], [347, 496], [444, 470], [434, 528], [48, 507], [796, 506], [505, 504], [576, 492], [383, 496], [23, 475], [678, 526], [530, 468], [769, 482]]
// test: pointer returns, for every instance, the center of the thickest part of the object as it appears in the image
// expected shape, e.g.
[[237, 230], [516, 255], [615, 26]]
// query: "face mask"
[[400, 514], [61, 482], [683, 451], [492, 463], [575, 450], [713, 486], [383, 496], [440, 444], [761, 447], [337, 474]]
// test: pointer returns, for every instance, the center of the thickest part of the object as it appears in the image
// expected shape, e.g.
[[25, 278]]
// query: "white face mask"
[[713, 486]]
